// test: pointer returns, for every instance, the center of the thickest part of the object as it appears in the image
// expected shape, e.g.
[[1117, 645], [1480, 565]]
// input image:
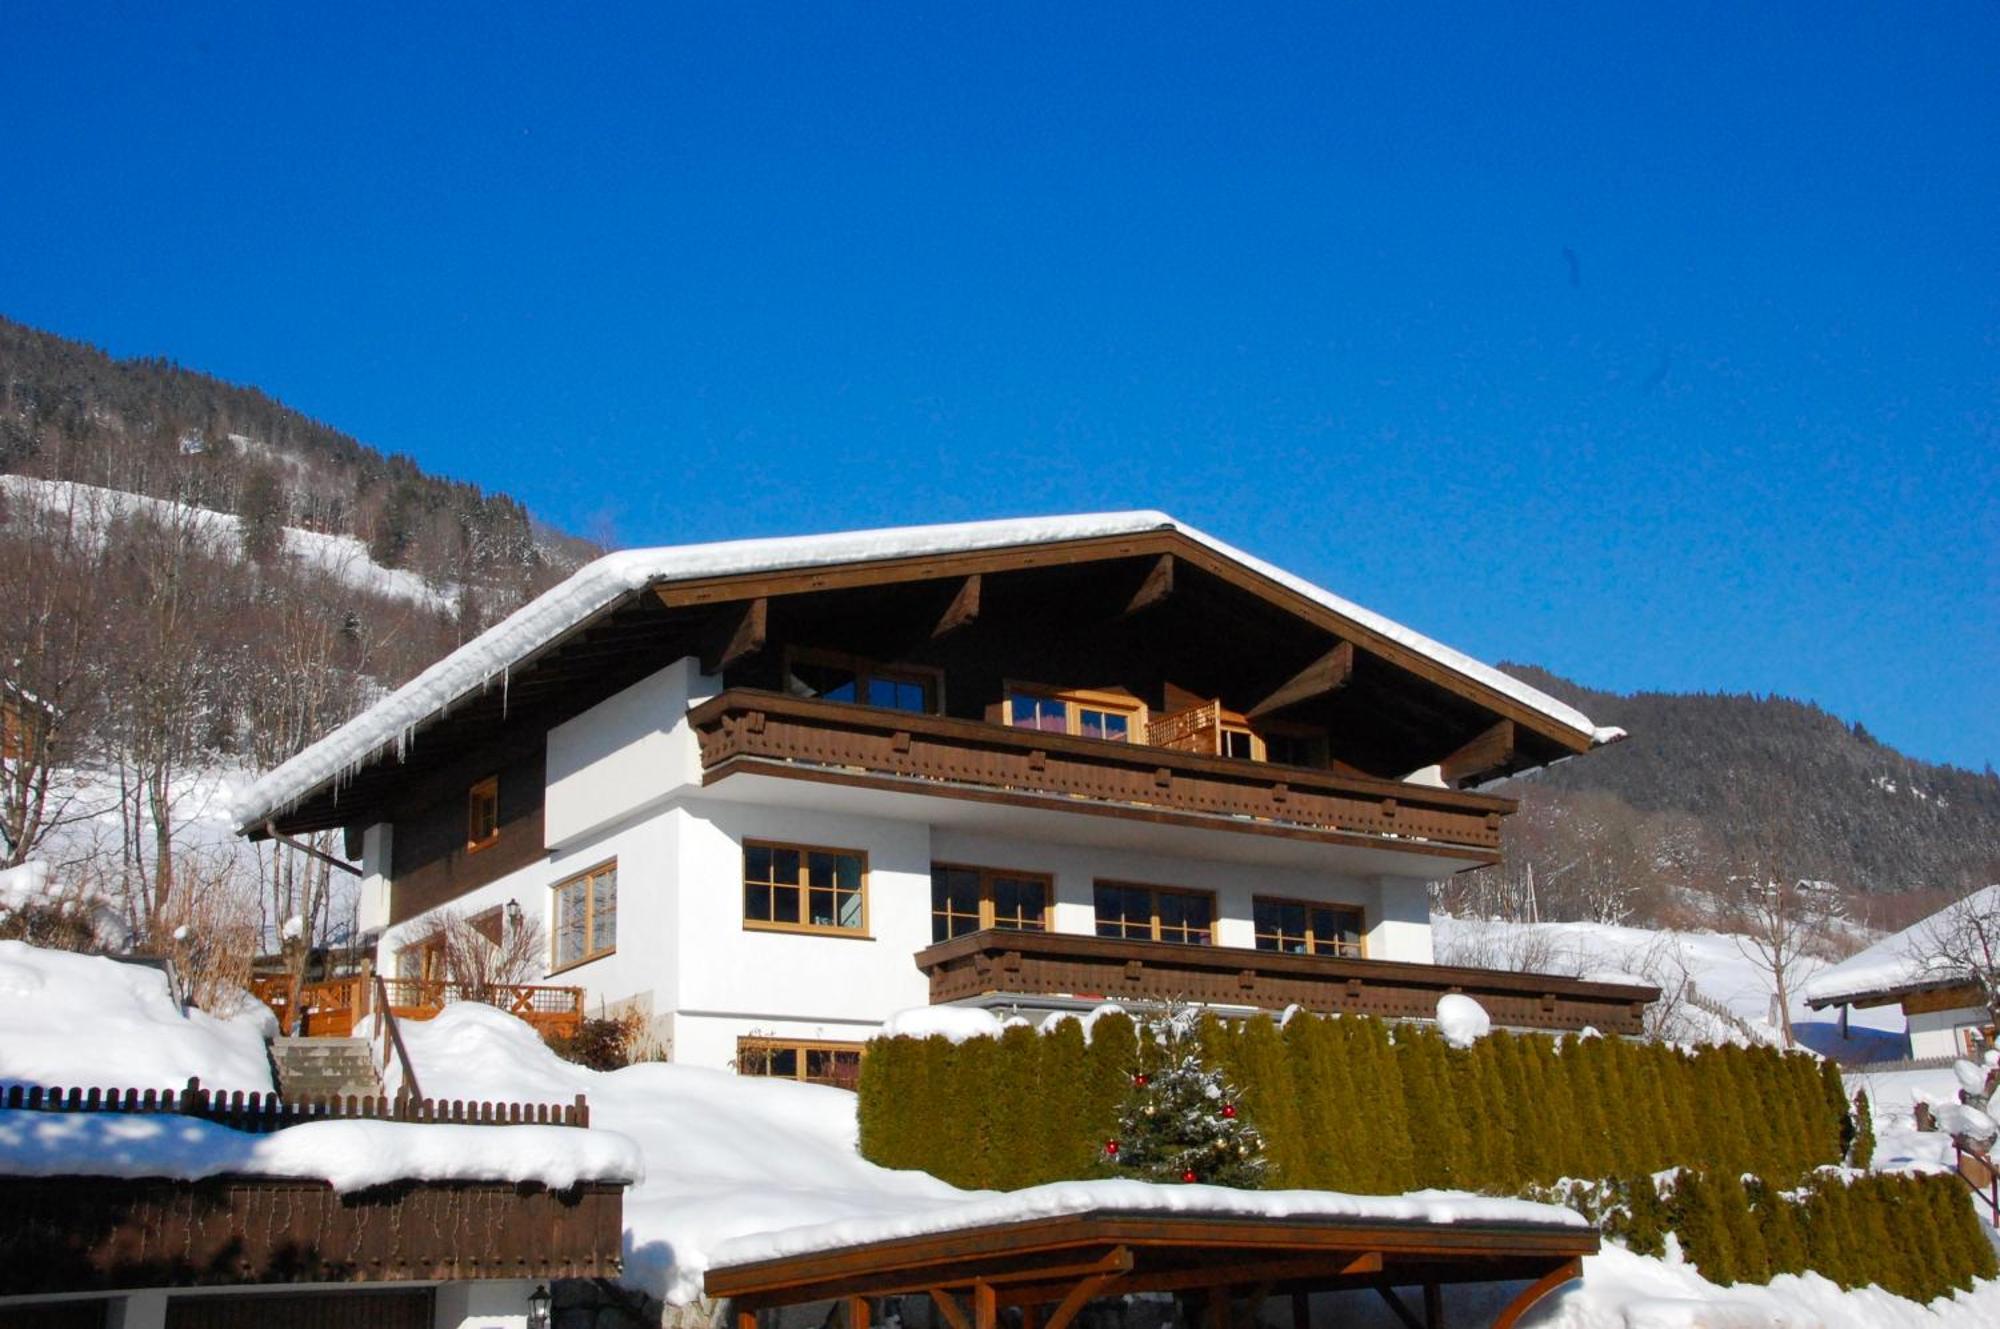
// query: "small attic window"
[[482, 813]]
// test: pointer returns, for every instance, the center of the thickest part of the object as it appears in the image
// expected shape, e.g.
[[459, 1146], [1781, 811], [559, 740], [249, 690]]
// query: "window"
[[836, 1064], [801, 889], [1088, 714], [586, 915], [1300, 927], [967, 899], [1238, 741], [833, 677], [1295, 747], [482, 813], [1155, 913]]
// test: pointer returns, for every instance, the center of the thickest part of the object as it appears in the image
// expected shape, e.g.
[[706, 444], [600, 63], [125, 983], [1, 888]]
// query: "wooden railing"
[[330, 1008], [387, 1043], [770, 732], [1982, 1177], [1060, 964], [260, 1112]]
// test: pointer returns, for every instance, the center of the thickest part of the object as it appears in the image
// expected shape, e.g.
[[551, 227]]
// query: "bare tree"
[[52, 674], [1784, 928], [487, 953]]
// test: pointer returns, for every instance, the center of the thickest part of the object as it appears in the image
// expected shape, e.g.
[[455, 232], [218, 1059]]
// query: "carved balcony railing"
[[744, 730], [1060, 964]]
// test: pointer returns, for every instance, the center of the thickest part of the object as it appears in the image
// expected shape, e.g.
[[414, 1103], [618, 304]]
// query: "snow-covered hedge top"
[[1138, 1197], [487, 657], [86, 1021], [350, 1155], [1900, 960]]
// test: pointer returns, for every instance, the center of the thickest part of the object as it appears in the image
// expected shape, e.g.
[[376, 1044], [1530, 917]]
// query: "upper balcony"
[[745, 731]]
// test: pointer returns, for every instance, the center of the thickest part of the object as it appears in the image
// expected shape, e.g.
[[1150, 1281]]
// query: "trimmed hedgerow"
[[1344, 1105]]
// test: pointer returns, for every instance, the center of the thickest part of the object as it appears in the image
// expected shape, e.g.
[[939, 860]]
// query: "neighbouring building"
[[770, 792], [1944, 1009]]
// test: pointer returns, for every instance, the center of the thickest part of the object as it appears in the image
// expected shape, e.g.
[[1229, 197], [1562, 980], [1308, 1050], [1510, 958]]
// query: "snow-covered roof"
[[489, 656], [1900, 962]]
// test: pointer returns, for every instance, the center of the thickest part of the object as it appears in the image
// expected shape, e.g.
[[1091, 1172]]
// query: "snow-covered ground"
[[343, 557], [80, 1020]]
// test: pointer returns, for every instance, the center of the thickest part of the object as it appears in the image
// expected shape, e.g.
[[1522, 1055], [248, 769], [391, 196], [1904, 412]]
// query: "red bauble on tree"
[[1111, 1148], [1229, 1111], [1187, 1176], [1139, 1080]]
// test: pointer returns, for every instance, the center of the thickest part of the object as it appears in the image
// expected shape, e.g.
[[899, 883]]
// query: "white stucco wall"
[[624, 755]]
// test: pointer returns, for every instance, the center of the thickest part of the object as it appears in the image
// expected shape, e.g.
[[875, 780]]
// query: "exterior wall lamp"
[[514, 917], [539, 1300]]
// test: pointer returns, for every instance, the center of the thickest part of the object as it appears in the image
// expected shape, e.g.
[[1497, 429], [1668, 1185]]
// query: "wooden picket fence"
[[260, 1112]]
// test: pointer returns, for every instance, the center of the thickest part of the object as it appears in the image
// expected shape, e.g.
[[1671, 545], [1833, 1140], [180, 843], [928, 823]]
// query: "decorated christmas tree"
[[1181, 1119]]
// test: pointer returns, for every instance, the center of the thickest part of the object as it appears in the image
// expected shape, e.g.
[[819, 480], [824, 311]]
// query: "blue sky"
[[1297, 276]]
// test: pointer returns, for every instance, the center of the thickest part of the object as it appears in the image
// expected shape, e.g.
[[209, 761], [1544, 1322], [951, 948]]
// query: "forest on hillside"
[[1713, 787], [196, 579]]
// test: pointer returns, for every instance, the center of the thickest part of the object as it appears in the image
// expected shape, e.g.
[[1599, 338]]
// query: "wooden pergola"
[[1228, 1267]]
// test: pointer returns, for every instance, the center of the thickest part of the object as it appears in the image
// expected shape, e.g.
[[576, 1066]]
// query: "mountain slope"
[[1739, 777]]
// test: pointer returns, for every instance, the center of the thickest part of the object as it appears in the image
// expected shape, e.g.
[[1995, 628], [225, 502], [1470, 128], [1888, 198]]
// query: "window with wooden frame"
[[586, 915], [965, 899], [1134, 912], [799, 888], [1306, 927], [832, 676], [1085, 712], [482, 813], [811, 1062]]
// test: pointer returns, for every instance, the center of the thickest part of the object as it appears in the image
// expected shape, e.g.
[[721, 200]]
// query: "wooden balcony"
[[1058, 964], [769, 733]]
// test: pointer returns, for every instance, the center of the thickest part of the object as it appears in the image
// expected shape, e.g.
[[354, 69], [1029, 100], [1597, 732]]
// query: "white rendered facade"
[[624, 784]]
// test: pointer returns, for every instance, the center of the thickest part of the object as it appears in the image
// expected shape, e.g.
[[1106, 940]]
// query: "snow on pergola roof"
[[1900, 963], [391, 722]]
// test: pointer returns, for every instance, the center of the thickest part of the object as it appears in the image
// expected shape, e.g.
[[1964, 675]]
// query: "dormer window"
[[1085, 713], [833, 677], [482, 813]]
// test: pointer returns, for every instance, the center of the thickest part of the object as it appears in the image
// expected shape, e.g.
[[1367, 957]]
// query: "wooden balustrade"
[[1058, 964], [771, 733], [331, 1007]]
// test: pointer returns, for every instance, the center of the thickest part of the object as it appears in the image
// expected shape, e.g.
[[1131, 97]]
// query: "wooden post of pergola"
[[1049, 1269]]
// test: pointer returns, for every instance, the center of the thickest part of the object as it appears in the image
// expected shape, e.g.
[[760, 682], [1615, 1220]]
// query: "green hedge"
[[1915, 1236], [1345, 1105]]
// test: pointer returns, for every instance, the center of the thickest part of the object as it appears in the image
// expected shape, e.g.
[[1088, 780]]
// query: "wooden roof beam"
[[740, 631], [1327, 674], [963, 609], [1489, 751], [1154, 588]]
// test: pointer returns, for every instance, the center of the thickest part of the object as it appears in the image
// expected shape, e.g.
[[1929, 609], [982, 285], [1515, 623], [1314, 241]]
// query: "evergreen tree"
[[1784, 1238], [1704, 1233], [1583, 1066], [1074, 1139], [1262, 1070], [1746, 1240], [1386, 1108], [1862, 1151], [1439, 1140], [1181, 1120]]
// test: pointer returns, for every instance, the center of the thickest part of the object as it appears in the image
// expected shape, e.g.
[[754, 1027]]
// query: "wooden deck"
[[1098, 968], [332, 1007], [770, 733]]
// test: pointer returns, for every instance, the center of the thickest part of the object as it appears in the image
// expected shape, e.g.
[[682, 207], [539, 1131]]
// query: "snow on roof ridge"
[[1898, 960], [473, 667]]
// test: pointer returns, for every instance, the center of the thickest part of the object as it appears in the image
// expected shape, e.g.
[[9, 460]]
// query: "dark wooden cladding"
[[945, 755], [83, 1234], [1065, 964], [430, 863]]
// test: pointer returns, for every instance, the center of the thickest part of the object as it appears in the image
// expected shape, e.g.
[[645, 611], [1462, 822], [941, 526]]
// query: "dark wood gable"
[[1156, 614]]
